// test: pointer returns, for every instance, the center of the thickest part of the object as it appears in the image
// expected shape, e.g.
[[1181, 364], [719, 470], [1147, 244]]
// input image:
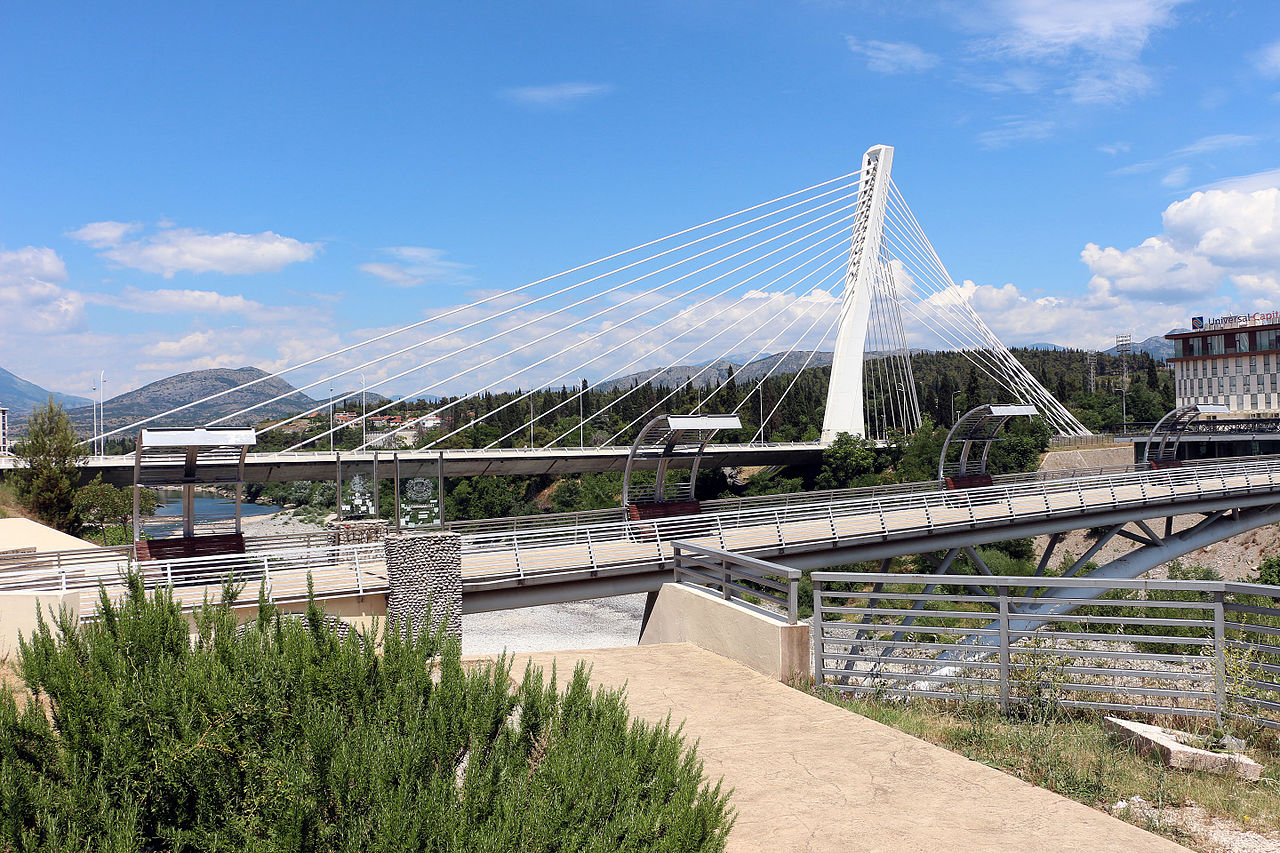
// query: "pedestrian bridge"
[[520, 562]]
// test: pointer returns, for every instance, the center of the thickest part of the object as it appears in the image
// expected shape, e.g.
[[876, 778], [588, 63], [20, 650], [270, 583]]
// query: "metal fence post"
[[1219, 650], [815, 631], [1003, 593], [793, 600]]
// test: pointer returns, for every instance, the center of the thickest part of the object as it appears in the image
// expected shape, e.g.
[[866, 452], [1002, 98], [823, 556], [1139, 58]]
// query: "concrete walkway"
[[808, 776]]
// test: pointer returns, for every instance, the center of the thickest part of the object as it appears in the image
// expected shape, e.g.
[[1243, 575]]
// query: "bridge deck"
[[894, 522], [808, 776]]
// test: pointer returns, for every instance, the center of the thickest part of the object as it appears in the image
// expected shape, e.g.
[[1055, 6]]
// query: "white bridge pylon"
[[893, 270], [767, 287]]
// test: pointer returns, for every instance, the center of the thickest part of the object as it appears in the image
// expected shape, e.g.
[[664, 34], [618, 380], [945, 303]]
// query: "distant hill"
[[717, 372], [173, 391], [1159, 348], [20, 396]]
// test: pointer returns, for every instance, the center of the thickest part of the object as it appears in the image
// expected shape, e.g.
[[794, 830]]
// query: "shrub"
[[281, 736]]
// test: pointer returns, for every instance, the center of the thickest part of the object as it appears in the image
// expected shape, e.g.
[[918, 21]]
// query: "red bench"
[[663, 509], [969, 481], [181, 547]]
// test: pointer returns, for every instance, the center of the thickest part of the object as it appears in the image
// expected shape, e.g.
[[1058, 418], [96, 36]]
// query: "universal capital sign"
[[1198, 323]]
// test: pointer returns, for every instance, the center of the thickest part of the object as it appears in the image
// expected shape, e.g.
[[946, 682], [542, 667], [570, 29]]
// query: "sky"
[[233, 184]]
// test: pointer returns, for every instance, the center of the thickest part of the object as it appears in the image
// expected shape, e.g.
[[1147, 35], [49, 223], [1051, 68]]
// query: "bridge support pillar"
[[425, 576]]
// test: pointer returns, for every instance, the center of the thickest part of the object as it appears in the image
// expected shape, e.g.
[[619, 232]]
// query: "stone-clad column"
[[425, 572]]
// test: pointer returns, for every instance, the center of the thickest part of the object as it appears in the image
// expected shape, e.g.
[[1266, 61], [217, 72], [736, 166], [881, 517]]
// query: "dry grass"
[[1073, 756]]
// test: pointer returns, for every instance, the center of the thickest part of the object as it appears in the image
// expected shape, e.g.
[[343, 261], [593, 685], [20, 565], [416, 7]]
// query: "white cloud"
[[102, 235], [172, 250], [1176, 177], [31, 298], [1084, 51], [416, 265], [1051, 28], [887, 57], [1232, 229], [1016, 130], [1215, 244], [176, 301], [1248, 183], [1203, 145], [1267, 60], [556, 95]]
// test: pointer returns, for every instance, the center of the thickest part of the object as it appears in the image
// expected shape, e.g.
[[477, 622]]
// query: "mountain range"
[[173, 391], [20, 396]]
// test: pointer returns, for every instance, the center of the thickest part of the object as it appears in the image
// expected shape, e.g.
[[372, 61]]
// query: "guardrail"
[[336, 570], [1182, 648], [1075, 442], [647, 543], [739, 578]]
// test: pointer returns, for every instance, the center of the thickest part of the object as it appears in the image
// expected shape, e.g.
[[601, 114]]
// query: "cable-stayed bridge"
[[842, 264]]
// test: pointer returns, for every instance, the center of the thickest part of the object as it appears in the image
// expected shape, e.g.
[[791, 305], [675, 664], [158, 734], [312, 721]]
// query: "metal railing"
[[646, 543], [1182, 648], [739, 578], [844, 517], [335, 570]]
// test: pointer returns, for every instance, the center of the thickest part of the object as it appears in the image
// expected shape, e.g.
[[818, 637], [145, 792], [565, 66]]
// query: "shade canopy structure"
[[672, 438], [190, 457], [1167, 434], [975, 432]]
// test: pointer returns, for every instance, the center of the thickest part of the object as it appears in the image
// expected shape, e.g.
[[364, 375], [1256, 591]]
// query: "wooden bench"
[[181, 547], [969, 481], [663, 509]]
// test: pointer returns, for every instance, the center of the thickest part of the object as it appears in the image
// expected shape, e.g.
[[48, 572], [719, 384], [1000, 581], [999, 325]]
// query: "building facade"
[[1230, 361]]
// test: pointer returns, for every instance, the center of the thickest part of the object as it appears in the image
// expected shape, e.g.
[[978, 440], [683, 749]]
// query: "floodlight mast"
[[844, 398]]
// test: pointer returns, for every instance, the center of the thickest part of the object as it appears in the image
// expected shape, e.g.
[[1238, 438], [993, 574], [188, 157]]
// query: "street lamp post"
[[102, 413], [1124, 407]]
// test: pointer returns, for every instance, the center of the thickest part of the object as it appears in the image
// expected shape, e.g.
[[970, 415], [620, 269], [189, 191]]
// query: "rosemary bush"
[[138, 735]]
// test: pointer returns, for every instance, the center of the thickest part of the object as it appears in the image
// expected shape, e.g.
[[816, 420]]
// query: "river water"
[[168, 520]]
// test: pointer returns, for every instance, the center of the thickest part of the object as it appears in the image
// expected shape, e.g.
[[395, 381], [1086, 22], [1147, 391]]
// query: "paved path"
[[808, 776]]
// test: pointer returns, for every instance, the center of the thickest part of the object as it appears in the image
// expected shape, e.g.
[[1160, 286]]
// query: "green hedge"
[[284, 737]]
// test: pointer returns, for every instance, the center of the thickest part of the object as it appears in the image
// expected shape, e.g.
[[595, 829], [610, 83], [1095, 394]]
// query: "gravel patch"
[[601, 623]]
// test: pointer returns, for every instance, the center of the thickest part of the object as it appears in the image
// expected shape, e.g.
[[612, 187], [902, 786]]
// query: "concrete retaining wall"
[[18, 615], [686, 614], [1093, 457]]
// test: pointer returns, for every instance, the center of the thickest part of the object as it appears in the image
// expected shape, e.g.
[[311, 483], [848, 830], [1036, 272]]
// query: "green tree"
[[50, 458], [846, 461], [100, 504]]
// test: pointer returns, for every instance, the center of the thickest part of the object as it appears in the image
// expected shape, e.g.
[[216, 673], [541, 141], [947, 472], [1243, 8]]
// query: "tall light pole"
[[102, 412], [762, 412], [1124, 409], [363, 423]]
